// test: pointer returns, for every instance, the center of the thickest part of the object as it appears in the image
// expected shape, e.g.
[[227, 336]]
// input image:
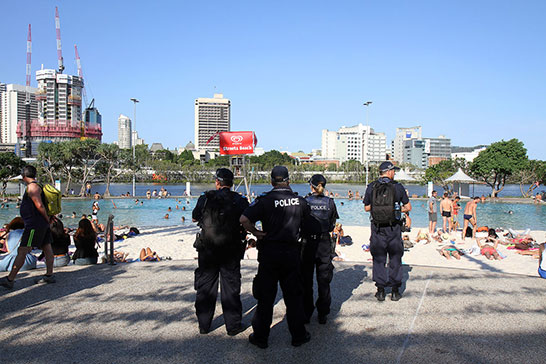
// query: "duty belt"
[[320, 236]]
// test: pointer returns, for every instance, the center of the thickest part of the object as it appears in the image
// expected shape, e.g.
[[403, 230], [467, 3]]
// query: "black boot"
[[395, 296], [380, 294]]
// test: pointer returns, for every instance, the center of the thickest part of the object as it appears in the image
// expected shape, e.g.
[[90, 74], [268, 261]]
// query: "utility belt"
[[275, 244], [393, 224], [319, 236]]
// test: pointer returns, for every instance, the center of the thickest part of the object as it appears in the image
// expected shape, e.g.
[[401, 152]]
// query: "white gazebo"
[[461, 182], [402, 175]]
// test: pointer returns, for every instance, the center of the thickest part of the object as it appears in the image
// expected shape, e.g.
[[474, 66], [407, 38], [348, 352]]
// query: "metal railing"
[[109, 241]]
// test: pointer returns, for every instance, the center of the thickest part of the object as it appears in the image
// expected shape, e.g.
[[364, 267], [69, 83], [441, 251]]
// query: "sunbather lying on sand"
[[147, 255], [490, 251], [423, 236], [449, 251]]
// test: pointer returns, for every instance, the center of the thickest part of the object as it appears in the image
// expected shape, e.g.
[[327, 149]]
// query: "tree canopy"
[[498, 162]]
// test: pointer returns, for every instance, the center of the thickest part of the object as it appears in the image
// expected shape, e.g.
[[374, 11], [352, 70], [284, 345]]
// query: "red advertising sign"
[[237, 142]]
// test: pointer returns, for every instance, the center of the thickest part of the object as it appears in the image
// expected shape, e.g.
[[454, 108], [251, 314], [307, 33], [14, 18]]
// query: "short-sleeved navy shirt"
[[240, 202], [282, 213], [400, 191]]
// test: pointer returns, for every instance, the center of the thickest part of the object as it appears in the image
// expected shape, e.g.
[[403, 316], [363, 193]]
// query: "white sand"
[[177, 243]]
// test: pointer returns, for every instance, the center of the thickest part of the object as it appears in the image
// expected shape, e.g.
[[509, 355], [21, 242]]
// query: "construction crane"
[[28, 145], [80, 73], [58, 31]]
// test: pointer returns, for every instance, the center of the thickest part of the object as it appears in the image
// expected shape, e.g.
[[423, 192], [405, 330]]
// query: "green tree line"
[[77, 162]]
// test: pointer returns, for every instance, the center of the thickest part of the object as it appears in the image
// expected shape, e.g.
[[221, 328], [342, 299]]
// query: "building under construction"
[[59, 101]]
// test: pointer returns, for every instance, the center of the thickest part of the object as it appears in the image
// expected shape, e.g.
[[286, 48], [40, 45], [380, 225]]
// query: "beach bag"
[[220, 220], [383, 196]]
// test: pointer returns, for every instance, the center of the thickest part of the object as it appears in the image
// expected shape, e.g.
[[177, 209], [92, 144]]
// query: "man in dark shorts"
[[37, 233], [470, 216]]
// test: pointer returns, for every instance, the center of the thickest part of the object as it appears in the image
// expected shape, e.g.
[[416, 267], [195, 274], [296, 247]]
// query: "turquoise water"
[[152, 212]]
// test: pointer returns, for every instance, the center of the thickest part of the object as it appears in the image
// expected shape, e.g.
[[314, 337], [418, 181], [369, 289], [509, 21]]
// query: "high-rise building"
[[414, 153], [212, 115], [357, 142], [403, 134], [13, 110], [124, 132], [426, 152], [329, 141], [59, 99]]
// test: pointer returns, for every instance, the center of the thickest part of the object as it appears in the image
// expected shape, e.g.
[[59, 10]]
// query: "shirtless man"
[[446, 207], [470, 216]]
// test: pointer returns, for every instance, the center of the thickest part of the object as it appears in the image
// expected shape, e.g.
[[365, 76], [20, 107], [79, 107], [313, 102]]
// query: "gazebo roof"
[[460, 177], [401, 175]]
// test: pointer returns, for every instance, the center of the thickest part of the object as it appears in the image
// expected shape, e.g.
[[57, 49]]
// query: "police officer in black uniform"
[[219, 260], [387, 238], [319, 249], [282, 213]]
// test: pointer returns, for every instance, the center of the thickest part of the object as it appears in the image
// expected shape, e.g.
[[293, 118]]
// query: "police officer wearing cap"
[[220, 255], [386, 237], [319, 249], [282, 213]]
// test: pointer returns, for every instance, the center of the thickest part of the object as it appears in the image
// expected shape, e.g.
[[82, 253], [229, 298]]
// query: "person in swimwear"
[[490, 251], [446, 207], [449, 251], [470, 216], [455, 213]]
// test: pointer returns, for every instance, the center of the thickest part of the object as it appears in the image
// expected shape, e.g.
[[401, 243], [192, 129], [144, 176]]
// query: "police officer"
[[386, 236], [219, 255], [282, 213], [318, 249]]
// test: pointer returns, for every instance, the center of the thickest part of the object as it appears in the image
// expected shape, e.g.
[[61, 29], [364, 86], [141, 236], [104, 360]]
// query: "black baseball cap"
[[317, 179], [387, 166], [224, 174], [279, 174]]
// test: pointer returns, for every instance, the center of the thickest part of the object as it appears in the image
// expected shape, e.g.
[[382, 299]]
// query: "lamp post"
[[135, 101], [367, 104]]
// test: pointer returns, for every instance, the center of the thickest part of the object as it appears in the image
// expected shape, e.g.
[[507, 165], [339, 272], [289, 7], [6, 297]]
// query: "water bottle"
[[397, 212]]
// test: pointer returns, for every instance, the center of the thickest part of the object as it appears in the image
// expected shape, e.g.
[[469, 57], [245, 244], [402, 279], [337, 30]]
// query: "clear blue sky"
[[474, 71]]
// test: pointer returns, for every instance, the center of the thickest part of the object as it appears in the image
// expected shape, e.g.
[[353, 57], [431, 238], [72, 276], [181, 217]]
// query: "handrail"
[[109, 238]]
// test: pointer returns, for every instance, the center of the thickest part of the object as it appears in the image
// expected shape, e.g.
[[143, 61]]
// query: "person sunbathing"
[[423, 236], [147, 255], [449, 251], [490, 251]]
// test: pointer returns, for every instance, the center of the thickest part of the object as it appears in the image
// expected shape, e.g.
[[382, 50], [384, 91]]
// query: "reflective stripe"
[[31, 235]]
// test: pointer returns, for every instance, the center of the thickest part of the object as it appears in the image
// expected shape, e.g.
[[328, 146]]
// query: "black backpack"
[[220, 220], [383, 199]]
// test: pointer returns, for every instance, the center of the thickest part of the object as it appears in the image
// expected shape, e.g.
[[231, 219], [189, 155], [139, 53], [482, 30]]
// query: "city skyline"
[[472, 72]]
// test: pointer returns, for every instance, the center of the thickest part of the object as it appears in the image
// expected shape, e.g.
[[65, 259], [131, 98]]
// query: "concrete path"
[[143, 313]]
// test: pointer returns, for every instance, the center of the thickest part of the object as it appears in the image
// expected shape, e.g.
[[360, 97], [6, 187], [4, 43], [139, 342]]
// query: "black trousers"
[[387, 241], [278, 264], [227, 267], [317, 256]]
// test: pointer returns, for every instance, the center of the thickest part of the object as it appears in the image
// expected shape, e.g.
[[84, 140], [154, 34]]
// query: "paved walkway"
[[143, 313]]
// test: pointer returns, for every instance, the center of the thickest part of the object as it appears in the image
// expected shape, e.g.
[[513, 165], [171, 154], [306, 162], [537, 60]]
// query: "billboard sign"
[[237, 142]]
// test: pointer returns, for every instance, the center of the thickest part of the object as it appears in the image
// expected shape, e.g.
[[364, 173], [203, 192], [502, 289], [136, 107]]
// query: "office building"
[[13, 110], [124, 132], [426, 152], [403, 134], [212, 115], [357, 142], [467, 153]]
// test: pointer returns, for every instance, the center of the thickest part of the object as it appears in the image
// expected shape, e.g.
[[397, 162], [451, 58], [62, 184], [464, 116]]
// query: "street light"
[[135, 101], [367, 104]]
